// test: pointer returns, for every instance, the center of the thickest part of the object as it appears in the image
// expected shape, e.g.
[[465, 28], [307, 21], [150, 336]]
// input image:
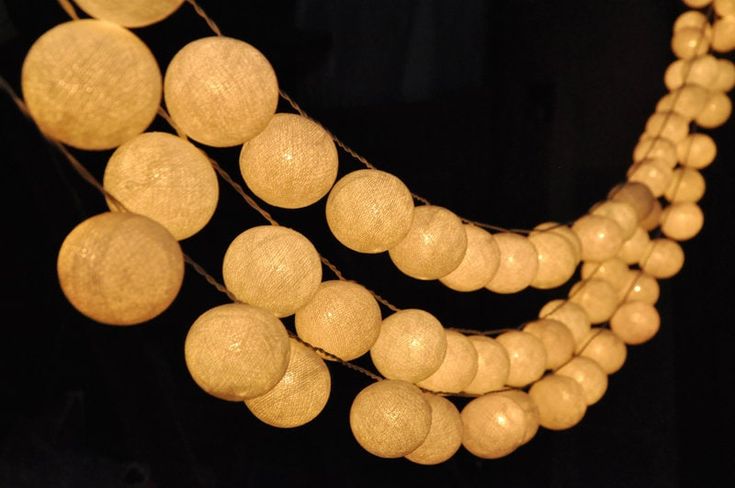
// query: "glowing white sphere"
[[342, 318], [300, 395], [601, 237], [605, 348], [682, 221], [636, 194], [560, 401], [557, 259], [390, 418], [687, 185], [527, 357], [236, 352], [566, 233], [445, 435], [91, 84], [130, 13], [220, 91], [458, 368], [663, 258], [569, 314], [716, 111], [518, 264], [633, 249], [480, 262], [272, 267], [597, 297], [689, 42], [292, 163], [696, 151], [655, 148], [434, 245], [494, 426], [369, 211], [556, 338], [635, 322], [120, 268], [641, 287], [589, 375], [493, 366]]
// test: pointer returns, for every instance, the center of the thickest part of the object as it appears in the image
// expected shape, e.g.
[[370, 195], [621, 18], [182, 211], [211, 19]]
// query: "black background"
[[511, 112]]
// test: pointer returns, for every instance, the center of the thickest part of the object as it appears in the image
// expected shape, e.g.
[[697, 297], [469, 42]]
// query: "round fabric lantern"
[[445, 435], [91, 84], [527, 357], [687, 185], [663, 258], [300, 395], [556, 259], [411, 346], [701, 70], [530, 411], [166, 178], [120, 268], [494, 426], [390, 418], [235, 351], [518, 264], [725, 79], [272, 267], [653, 218], [597, 297], [669, 125], [560, 400], [724, 8], [569, 314], [682, 221], [493, 366], [697, 151], [457, 370], [291, 164], [613, 270], [694, 18], [220, 91], [655, 148], [689, 42], [687, 100], [480, 262], [601, 237], [723, 34], [566, 233], [716, 111], [640, 287], [589, 375], [635, 322], [605, 348], [369, 211], [556, 338], [342, 318], [653, 173], [130, 13], [622, 213], [636, 194], [633, 249]]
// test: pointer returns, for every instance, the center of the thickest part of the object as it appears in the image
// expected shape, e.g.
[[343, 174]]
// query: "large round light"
[[480, 262], [494, 426], [445, 435]]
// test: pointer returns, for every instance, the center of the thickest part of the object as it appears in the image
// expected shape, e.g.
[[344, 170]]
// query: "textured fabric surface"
[[91, 84], [567, 233], [604, 348], [687, 185], [613, 270], [530, 411], [597, 297], [493, 366], [642, 287], [445, 434], [120, 268], [557, 261], [130, 13], [621, 212], [571, 315], [235, 352], [527, 357], [494, 426], [654, 173], [479, 264], [458, 368], [518, 264], [557, 339], [601, 237], [560, 401], [632, 250], [589, 375], [635, 322]]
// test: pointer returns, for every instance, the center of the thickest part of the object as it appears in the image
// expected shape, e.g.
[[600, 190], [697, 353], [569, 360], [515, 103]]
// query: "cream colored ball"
[[292, 163], [613, 270], [494, 426], [653, 218], [165, 178], [457, 370], [635, 322], [663, 259], [236, 352], [682, 221], [569, 314], [725, 79], [634, 248], [716, 111], [655, 148], [369, 211], [687, 100], [220, 91], [560, 400], [566, 233], [723, 8], [695, 19], [670, 125], [445, 435], [518, 264], [723, 34], [480, 262], [130, 13], [493, 366], [556, 338], [411, 346], [653, 173], [687, 185], [697, 151], [589, 375], [689, 42], [641, 287], [601, 237], [300, 395], [91, 84], [597, 297], [530, 411], [120, 268], [701, 70], [434, 246], [636, 194], [557, 259], [390, 418], [342, 318], [622, 213], [605, 348], [527, 356], [272, 267]]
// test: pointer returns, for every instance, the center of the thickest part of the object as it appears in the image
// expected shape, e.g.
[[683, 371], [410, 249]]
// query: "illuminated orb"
[[342, 318], [716, 111], [411, 346], [530, 411], [560, 401], [613, 270], [687, 100], [457, 370], [653, 173], [601, 237], [236, 352], [589, 375], [687, 185], [130, 13], [689, 42], [390, 418], [597, 297], [518, 264], [640, 287], [663, 258], [636, 194], [220, 91], [91, 84], [300, 395], [434, 246], [697, 151], [723, 8], [556, 338], [493, 366], [682, 221], [635, 322], [120, 268], [557, 259], [653, 218], [569, 314], [494, 426], [622, 213], [480, 262], [272, 267], [725, 79], [527, 357], [566, 233], [723, 34], [633, 249], [369, 211], [655, 148], [605, 348], [670, 125], [291, 164], [445, 434], [701, 70]]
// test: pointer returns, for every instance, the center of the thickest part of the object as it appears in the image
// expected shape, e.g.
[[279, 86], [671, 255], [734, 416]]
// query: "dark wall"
[[509, 112]]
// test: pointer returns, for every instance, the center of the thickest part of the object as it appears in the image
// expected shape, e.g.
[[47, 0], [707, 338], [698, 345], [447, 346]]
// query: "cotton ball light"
[[663, 258], [725, 79], [557, 259], [635, 322], [130, 13], [689, 42], [342, 318], [165, 178], [613, 270], [493, 366], [601, 237], [687, 185], [494, 426], [634, 248], [518, 264], [655, 148], [480, 262], [597, 297], [236, 351], [569, 314], [458, 368], [688, 100], [445, 434], [640, 287], [120, 268], [682, 221], [369, 211], [556, 338], [530, 411], [434, 245], [390, 418], [697, 151], [272, 267], [91, 84], [716, 111], [292, 163], [605, 348], [527, 357], [220, 91], [560, 400], [301, 393], [653, 218], [671, 125], [653, 173], [723, 34], [700, 70], [566, 233], [636, 194], [723, 8], [622, 213], [410, 347], [589, 375]]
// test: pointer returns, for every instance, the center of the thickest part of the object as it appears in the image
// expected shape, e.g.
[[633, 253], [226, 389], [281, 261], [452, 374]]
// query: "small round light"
[[640, 287], [682, 221], [530, 411], [557, 260], [589, 375], [635, 322], [605, 348], [716, 111], [493, 366], [725, 79], [556, 338], [445, 435], [622, 213], [569, 314], [597, 297], [653, 218], [494, 426], [663, 258], [566, 233], [613, 270], [655, 148], [687, 185], [457, 370], [130, 13], [636, 194], [697, 151], [653, 173], [518, 264], [601, 237], [634, 248], [689, 42], [670, 125], [527, 357], [480, 262], [560, 400]]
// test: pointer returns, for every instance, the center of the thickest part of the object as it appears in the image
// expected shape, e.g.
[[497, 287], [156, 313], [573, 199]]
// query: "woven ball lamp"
[[457, 370], [556, 338], [130, 13], [635, 322], [479, 264], [605, 348], [569, 314], [445, 434], [589, 375], [518, 264], [527, 357], [494, 426], [493, 366], [560, 401]]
